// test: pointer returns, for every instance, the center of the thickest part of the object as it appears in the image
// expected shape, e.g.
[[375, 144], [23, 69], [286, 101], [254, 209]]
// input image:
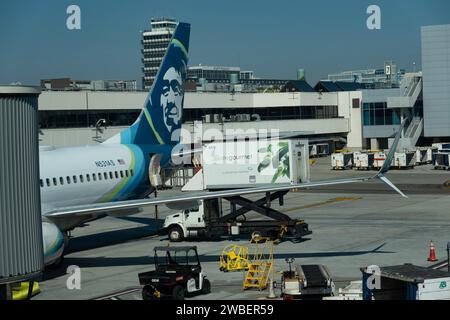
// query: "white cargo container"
[[323, 149], [235, 164], [424, 155], [441, 160], [378, 159], [342, 160], [441, 146], [404, 159], [363, 160], [407, 282]]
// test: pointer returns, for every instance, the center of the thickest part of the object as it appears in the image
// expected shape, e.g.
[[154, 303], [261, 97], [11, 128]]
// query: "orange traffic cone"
[[432, 256]]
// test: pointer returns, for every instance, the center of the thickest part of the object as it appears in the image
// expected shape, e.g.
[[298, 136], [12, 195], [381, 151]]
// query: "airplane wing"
[[94, 210]]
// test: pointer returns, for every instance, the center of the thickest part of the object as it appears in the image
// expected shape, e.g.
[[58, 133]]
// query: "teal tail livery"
[[160, 120]]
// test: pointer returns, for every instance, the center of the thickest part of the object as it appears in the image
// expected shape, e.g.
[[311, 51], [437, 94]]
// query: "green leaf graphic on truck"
[[279, 160]]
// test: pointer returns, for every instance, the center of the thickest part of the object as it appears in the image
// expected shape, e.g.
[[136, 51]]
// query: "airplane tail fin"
[[388, 162], [160, 119]]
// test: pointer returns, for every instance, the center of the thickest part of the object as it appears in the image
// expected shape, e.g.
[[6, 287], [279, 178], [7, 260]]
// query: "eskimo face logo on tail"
[[162, 114], [172, 97]]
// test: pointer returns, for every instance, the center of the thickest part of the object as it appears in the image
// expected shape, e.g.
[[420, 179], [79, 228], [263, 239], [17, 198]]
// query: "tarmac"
[[353, 226]]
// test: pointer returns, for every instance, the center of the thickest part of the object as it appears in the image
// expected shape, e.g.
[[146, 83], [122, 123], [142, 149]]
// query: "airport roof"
[[297, 86], [334, 86]]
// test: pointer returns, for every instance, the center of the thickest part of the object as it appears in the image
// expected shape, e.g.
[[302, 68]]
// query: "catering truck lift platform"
[[206, 222]]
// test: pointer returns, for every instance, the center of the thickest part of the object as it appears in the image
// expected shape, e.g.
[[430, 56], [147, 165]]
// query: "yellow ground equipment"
[[234, 258], [20, 290], [261, 265]]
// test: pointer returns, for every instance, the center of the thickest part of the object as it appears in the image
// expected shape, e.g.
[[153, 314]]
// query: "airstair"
[[410, 90], [261, 265]]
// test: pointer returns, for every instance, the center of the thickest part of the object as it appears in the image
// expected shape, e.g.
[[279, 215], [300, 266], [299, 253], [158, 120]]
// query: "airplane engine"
[[53, 241]]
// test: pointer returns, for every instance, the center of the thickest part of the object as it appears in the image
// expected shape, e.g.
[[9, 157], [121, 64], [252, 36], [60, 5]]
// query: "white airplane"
[[79, 184]]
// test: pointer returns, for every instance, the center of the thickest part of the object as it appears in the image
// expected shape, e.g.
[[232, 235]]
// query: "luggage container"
[[312, 150], [323, 149], [404, 159], [363, 161], [405, 282], [342, 160], [441, 160], [441, 146], [378, 159]]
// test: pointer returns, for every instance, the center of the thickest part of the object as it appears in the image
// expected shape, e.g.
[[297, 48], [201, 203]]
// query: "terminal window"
[[377, 114]]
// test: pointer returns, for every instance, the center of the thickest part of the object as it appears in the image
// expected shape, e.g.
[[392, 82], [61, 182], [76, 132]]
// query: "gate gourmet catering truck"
[[243, 164]]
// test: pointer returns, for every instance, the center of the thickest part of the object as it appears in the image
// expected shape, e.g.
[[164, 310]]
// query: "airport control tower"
[[154, 44]]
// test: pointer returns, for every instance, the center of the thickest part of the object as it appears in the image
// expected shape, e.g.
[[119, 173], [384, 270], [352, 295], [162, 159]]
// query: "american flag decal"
[[120, 161]]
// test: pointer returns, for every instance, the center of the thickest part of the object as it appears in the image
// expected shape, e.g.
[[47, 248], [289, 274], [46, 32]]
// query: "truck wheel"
[[178, 293], [206, 287], [176, 234]]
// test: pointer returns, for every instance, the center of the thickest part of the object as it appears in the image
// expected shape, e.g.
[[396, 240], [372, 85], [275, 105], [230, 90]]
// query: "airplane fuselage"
[[91, 174]]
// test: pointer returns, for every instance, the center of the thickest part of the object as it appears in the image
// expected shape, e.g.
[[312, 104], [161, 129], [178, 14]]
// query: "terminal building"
[[67, 84], [229, 79], [383, 78], [69, 118], [334, 111]]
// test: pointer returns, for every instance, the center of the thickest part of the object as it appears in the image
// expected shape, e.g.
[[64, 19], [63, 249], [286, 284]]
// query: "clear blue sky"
[[273, 38]]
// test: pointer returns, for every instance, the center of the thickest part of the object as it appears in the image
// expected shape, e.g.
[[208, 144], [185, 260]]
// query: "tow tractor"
[[177, 273]]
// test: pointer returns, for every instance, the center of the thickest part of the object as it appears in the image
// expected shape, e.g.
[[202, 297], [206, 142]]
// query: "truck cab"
[[185, 224]]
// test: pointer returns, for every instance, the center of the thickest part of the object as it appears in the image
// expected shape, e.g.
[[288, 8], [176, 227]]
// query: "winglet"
[[390, 184], [387, 163]]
